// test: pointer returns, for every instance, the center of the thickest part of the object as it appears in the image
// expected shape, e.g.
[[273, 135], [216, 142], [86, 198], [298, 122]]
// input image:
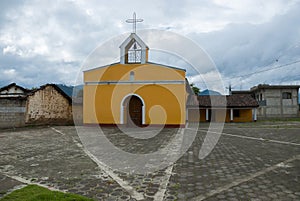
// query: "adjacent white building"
[[13, 90]]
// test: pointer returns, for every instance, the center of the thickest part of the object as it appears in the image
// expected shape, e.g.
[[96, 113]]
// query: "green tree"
[[195, 89]]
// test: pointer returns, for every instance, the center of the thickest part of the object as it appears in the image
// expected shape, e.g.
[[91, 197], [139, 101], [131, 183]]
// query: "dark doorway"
[[134, 111]]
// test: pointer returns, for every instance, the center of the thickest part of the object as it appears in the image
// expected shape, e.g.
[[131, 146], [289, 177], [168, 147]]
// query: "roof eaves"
[[104, 66], [167, 66]]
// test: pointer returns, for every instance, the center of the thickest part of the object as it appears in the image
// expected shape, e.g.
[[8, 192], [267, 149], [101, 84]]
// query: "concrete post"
[[231, 114]]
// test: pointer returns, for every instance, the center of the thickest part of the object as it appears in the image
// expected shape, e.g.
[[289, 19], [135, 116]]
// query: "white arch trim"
[[122, 107]]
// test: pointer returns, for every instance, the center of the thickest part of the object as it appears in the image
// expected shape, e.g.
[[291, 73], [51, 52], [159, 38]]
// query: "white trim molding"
[[122, 108]]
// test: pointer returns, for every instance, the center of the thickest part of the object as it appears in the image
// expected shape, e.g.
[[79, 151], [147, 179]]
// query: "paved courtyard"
[[255, 161]]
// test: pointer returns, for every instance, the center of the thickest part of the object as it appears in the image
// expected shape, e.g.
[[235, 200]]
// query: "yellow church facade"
[[135, 92]]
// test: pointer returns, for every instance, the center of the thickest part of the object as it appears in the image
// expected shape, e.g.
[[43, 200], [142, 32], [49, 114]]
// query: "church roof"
[[167, 66], [162, 65]]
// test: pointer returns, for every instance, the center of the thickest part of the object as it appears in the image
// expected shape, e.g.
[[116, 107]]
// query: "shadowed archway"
[[132, 110]]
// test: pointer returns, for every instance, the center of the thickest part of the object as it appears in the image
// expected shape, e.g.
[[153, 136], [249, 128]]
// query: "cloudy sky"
[[250, 41]]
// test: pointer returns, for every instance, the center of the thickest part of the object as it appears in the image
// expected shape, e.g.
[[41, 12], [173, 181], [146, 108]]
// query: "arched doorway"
[[133, 110], [134, 114]]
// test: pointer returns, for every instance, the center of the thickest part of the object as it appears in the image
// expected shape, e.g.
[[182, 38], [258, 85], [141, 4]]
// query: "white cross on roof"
[[134, 21]]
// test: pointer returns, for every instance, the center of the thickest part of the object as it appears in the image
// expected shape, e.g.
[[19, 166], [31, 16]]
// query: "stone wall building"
[[49, 105], [276, 101]]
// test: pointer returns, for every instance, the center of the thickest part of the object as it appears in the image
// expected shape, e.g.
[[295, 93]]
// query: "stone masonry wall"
[[48, 106], [12, 112]]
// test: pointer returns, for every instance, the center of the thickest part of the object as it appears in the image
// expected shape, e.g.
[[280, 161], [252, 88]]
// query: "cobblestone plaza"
[[253, 161]]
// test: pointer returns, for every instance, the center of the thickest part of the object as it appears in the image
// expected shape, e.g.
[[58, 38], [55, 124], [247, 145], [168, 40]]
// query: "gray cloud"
[[48, 41], [244, 48]]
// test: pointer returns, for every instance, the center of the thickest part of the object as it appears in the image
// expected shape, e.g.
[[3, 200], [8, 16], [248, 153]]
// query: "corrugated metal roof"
[[207, 92]]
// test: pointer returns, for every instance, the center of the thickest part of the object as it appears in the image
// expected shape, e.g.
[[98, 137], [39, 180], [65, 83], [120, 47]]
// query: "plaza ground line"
[[29, 182], [107, 170], [138, 196], [251, 138], [159, 196], [245, 179]]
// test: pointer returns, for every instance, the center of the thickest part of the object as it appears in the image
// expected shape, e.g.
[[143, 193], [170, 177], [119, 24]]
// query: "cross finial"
[[134, 21]]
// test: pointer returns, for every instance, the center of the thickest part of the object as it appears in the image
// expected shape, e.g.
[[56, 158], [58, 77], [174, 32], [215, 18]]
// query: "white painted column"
[[143, 114], [255, 114], [122, 115], [206, 114], [231, 114], [187, 115]]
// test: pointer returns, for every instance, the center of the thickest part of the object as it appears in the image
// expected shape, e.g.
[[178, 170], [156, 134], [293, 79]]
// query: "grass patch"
[[37, 193]]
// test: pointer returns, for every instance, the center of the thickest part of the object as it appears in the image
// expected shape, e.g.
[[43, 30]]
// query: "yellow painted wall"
[[245, 116], [195, 115], [164, 103], [202, 116], [227, 116], [120, 72]]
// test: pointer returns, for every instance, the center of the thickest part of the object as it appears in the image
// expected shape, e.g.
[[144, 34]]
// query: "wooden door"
[[135, 111]]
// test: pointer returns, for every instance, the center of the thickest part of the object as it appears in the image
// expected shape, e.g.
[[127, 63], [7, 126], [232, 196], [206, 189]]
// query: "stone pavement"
[[257, 161]]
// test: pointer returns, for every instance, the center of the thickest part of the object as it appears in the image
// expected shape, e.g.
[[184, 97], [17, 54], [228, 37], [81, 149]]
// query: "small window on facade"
[[131, 78], [286, 95], [257, 97], [236, 113], [261, 97]]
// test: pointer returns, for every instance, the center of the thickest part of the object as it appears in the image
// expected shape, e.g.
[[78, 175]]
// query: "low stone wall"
[[12, 112]]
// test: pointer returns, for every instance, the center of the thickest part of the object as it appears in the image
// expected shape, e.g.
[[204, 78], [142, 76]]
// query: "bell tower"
[[133, 50]]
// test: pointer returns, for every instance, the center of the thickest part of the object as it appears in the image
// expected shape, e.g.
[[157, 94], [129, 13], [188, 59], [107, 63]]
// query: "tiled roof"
[[14, 85], [234, 100], [68, 90], [267, 86], [241, 92], [69, 98]]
